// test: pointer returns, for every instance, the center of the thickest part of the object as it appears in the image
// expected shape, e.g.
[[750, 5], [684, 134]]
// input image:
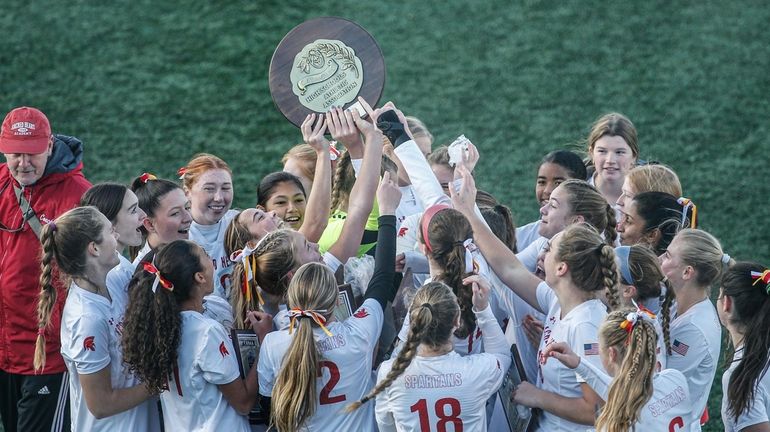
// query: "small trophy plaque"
[[323, 63]]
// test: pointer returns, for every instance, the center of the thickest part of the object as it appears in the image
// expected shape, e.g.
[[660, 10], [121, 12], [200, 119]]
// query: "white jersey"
[[212, 239], [667, 410], [580, 330], [142, 252], [206, 360], [409, 204], [218, 309], [90, 342], [447, 390], [528, 256], [346, 368], [406, 238], [527, 234], [695, 343], [759, 412]]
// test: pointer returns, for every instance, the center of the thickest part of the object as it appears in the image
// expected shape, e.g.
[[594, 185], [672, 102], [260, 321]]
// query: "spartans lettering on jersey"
[[670, 400], [433, 381], [330, 343]]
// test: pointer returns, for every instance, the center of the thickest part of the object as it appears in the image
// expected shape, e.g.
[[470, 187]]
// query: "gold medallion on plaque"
[[326, 73]]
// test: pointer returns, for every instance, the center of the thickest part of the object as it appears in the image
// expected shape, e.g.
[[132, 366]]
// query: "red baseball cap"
[[25, 130]]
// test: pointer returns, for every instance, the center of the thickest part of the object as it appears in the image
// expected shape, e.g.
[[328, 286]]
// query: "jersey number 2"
[[676, 424], [334, 372], [421, 407]]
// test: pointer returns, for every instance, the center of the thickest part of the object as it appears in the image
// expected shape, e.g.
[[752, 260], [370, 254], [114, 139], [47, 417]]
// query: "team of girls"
[[629, 339]]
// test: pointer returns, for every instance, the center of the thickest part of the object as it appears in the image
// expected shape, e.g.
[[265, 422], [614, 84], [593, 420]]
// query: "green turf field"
[[148, 84]]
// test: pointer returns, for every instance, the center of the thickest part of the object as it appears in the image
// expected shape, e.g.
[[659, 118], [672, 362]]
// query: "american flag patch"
[[591, 349], [680, 347]]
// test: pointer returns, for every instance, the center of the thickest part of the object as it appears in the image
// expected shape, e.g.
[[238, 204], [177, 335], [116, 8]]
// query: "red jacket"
[[57, 191]]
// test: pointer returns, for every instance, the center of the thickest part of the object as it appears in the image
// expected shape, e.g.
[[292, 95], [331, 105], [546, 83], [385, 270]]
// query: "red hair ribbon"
[[764, 277], [150, 268], [315, 315], [687, 203], [425, 221], [632, 318], [181, 172], [246, 256], [145, 177]]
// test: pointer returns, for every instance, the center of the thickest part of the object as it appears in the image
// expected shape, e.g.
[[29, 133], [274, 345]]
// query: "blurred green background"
[[147, 84]]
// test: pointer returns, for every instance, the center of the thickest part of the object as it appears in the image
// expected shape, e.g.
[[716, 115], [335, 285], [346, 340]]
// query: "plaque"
[[346, 303], [246, 345], [518, 416], [323, 63]]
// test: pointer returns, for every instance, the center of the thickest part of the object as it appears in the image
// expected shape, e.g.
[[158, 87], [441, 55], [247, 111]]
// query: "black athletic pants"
[[34, 403]]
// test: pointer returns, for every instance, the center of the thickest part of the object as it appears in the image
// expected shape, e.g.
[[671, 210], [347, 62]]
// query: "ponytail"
[[632, 386], [432, 315], [63, 241], [609, 275], [748, 285], [153, 322], [312, 296], [342, 182], [47, 297], [665, 314], [610, 231]]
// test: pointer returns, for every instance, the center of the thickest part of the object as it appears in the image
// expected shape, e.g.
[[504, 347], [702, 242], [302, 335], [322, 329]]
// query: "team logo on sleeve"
[[361, 313], [591, 349], [402, 231], [223, 350], [680, 347], [88, 344]]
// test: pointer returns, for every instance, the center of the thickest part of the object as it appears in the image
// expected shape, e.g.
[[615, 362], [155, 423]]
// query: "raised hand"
[[388, 195], [314, 135], [480, 288], [469, 159], [343, 128], [464, 199]]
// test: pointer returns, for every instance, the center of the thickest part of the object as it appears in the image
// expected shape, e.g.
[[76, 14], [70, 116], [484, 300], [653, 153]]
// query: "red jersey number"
[[334, 372], [676, 424], [441, 407]]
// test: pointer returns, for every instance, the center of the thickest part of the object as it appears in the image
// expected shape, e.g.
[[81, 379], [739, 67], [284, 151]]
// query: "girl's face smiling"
[[288, 203], [259, 222], [128, 221], [612, 157], [299, 168], [549, 175], [171, 221], [211, 196]]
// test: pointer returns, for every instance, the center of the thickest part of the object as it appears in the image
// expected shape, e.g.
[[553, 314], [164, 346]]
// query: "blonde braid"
[[340, 176], [238, 300], [610, 275], [632, 386], [610, 231], [401, 362], [47, 297], [665, 315]]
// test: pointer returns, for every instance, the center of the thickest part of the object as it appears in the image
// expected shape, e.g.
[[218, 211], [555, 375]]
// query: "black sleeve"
[[381, 285]]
